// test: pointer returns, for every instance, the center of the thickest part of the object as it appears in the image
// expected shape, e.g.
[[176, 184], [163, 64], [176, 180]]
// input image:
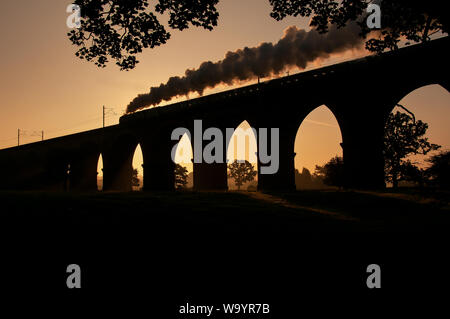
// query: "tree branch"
[[412, 114]]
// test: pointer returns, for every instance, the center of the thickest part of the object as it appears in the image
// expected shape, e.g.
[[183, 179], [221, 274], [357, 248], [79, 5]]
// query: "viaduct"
[[360, 93]]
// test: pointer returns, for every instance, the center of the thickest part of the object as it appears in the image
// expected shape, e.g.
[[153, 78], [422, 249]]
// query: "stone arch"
[[315, 143], [429, 104], [243, 145], [100, 172], [83, 167], [183, 157], [57, 170], [117, 163], [405, 90]]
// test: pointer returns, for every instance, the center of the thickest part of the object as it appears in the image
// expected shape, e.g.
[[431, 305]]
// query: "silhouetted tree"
[[120, 29], [439, 171], [190, 180], [241, 172], [403, 137], [306, 180], [412, 20], [306, 176], [412, 173], [332, 173], [181, 175], [135, 178]]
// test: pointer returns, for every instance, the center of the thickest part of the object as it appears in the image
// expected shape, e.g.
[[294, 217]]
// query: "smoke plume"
[[297, 47]]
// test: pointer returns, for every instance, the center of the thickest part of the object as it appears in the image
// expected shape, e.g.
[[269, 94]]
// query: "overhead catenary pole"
[[110, 111], [42, 134], [18, 136]]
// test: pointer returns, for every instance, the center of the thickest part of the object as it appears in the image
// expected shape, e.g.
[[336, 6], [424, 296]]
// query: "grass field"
[[310, 211], [242, 242]]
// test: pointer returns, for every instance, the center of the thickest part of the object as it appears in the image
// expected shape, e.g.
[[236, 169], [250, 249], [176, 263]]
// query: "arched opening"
[[184, 170], [318, 140], [57, 171], [67, 186], [429, 104], [119, 161], [81, 168], [100, 173], [137, 177], [242, 159]]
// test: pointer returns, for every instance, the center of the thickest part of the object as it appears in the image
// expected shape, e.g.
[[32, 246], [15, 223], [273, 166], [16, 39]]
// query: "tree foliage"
[[439, 171], [332, 173], [306, 180], [410, 172], [412, 20], [403, 137], [134, 178], [241, 172], [120, 29], [181, 176]]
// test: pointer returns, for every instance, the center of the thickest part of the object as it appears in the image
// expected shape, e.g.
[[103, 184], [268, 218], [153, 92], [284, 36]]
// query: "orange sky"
[[43, 86]]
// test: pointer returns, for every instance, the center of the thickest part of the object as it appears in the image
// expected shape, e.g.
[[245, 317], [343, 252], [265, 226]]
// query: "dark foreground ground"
[[293, 250], [228, 212]]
